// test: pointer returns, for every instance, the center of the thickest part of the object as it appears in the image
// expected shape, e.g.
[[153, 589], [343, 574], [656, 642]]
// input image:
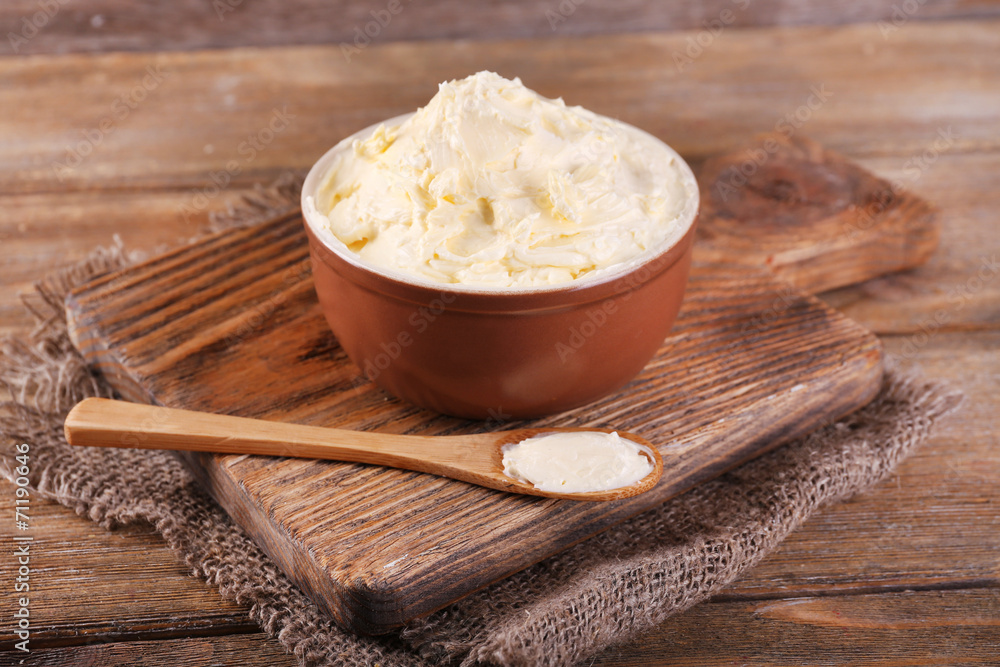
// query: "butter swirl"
[[492, 185]]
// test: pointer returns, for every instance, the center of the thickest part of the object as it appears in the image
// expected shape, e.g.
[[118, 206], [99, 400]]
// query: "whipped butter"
[[577, 461], [493, 185]]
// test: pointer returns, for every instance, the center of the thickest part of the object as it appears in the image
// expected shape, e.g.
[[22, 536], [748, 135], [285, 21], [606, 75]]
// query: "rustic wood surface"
[[206, 113], [218, 325], [812, 217], [936, 628], [932, 529], [119, 25]]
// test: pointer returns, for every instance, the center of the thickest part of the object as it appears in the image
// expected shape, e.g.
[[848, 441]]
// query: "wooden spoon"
[[475, 458]]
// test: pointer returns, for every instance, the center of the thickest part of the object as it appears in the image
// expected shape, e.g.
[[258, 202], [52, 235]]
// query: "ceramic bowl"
[[488, 353]]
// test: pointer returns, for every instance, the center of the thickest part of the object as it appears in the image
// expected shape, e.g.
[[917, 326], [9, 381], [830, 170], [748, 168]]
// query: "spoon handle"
[[101, 422], [472, 458]]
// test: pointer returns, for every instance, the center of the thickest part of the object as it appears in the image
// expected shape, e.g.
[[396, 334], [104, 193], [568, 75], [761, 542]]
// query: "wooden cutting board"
[[231, 325]]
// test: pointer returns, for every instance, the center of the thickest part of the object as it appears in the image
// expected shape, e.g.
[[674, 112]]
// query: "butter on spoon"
[[578, 461], [475, 458]]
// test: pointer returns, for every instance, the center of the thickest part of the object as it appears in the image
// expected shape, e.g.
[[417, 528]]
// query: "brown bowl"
[[497, 354]]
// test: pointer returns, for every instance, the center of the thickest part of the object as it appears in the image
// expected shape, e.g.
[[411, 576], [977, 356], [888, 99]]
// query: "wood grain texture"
[[231, 325], [89, 584], [42, 231], [118, 25], [930, 527], [225, 651], [899, 629], [959, 287], [809, 215], [933, 526], [904, 629], [747, 82]]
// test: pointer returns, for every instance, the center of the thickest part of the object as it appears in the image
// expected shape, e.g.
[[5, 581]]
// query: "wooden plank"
[[935, 523], [814, 218], [89, 584], [40, 232], [959, 287], [223, 651], [892, 629], [118, 25], [219, 325], [907, 628], [261, 112]]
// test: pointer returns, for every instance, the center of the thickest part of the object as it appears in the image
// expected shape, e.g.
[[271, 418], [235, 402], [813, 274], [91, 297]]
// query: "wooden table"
[[906, 574]]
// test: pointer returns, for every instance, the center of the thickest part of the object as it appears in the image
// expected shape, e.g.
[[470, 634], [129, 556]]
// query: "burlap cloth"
[[561, 611]]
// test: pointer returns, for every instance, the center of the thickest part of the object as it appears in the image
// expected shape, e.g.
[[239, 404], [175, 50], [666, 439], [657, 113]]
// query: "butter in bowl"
[[498, 253]]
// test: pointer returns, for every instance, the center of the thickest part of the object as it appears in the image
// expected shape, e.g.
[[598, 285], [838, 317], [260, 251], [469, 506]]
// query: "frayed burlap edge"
[[603, 591]]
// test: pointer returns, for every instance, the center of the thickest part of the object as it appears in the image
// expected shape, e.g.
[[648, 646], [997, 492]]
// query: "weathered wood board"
[[231, 325], [810, 215]]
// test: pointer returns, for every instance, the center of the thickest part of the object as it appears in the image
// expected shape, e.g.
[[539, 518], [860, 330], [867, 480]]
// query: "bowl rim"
[[615, 280]]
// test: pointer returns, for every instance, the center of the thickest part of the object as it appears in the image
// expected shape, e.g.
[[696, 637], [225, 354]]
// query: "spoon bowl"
[[475, 458]]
